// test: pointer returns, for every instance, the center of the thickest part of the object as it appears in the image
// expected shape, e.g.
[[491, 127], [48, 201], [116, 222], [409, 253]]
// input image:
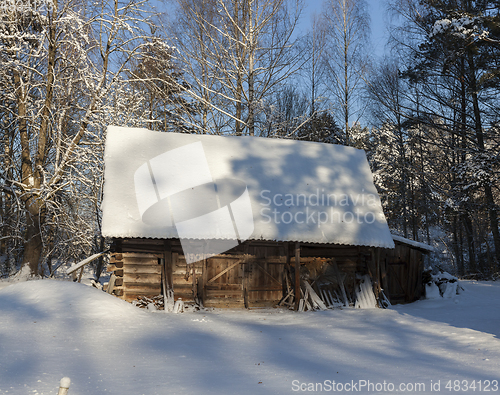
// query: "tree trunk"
[[33, 244], [470, 242], [251, 55], [490, 201], [456, 247]]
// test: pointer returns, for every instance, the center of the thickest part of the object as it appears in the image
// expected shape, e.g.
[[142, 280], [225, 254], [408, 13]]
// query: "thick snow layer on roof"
[[169, 185], [413, 243]]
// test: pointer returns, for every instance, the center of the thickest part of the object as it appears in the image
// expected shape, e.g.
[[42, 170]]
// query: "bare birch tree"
[[236, 52], [347, 25]]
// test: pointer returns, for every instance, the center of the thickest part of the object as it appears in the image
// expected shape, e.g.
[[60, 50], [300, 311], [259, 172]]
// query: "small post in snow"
[[64, 386]]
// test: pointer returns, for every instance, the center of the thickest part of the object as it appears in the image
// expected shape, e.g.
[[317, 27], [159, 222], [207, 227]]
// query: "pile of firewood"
[[153, 303], [157, 303]]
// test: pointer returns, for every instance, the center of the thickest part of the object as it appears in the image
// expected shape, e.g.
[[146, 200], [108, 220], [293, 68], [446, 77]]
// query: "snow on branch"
[[464, 27]]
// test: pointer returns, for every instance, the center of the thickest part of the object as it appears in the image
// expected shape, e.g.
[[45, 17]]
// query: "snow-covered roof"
[[171, 185], [413, 243]]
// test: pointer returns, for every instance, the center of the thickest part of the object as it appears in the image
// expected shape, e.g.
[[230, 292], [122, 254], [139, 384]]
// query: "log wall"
[[136, 274]]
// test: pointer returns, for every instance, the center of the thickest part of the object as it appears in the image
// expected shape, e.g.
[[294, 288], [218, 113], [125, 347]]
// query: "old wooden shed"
[[224, 221]]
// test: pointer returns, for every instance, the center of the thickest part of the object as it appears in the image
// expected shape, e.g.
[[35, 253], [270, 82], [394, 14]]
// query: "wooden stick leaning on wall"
[[204, 275], [297, 275]]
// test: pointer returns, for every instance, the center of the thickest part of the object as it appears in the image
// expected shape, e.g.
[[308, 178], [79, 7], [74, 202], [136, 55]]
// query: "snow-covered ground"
[[50, 329]]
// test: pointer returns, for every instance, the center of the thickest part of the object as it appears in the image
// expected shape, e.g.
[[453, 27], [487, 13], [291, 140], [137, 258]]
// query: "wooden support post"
[[111, 284], [64, 386], [297, 275], [379, 279], [195, 289], [204, 274], [375, 278], [163, 285], [287, 268], [169, 284], [80, 275], [246, 273], [383, 274]]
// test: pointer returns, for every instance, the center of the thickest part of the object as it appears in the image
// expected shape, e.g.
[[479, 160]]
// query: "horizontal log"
[[325, 253], [181, 287], [223, 294], [149, 241], [143, 249], [116, 264], [149, 278], [138, 288], [270, 259], [119, 281], [223, 286], [115, 257], [270, 289], [141, 255], [140, 261], [142, 269], [114, 269]]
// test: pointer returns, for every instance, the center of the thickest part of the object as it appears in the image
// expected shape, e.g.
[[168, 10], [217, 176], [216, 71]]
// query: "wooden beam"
[[168, 279], [379, 277], [297, 275], [86, 261], [246, 273], [163, 285], [195, 290]]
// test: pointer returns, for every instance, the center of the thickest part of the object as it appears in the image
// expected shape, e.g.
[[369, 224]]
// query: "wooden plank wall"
[[403, 269]]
